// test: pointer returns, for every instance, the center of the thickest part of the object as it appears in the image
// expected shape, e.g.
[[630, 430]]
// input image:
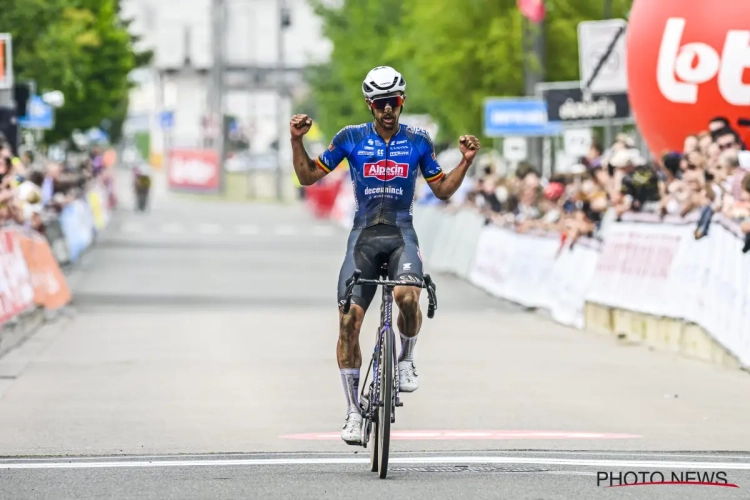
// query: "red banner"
[[194, 169], [16, 290]]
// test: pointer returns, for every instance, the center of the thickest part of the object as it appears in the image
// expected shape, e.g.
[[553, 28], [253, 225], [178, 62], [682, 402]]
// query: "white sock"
[[350, 379], [407, 347]]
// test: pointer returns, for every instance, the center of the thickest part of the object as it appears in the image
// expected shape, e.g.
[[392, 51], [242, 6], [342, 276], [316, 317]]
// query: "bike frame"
[[385, 328]]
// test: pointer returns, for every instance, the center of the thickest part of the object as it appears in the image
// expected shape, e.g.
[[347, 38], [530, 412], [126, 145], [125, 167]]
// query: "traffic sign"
[[594, 38], [166, 120], [515, 148], [577, 141], [517, 117], [39, 115]]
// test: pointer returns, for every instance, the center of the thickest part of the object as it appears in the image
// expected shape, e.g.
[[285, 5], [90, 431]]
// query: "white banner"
[[528, 269], [642, 266], [660, 269]]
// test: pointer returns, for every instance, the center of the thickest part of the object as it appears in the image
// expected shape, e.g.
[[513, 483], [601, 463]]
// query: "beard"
[[388, 125]]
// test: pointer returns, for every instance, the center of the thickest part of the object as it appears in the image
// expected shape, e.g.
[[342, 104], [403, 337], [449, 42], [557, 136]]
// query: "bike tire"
[[386, 396], [374, 447]]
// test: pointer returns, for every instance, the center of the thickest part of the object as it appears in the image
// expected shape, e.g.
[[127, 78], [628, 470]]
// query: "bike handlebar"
[[426, 283]]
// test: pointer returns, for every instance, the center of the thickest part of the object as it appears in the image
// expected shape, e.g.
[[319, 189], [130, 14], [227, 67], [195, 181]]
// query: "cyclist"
[[385, 158]]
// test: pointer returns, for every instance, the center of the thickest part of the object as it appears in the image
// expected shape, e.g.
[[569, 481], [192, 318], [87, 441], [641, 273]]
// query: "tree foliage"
[[80, 47], [452, 54]]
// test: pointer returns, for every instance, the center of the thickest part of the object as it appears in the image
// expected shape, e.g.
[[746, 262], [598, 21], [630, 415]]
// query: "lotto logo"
[[682, 68], [385, 170]]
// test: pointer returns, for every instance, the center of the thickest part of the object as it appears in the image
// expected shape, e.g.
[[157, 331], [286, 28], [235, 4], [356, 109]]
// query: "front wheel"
[[374, 448], [385, 408]]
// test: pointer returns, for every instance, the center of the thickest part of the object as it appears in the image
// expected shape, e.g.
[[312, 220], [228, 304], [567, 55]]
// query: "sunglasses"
[[393, 101], [726, 145]]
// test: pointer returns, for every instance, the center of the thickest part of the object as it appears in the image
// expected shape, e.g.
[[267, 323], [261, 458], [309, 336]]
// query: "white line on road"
[[285, 230], [394, 460], [209, 229], [172, 228], [247, 230]]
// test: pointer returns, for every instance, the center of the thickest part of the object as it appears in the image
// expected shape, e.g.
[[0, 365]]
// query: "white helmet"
[[381, 81]]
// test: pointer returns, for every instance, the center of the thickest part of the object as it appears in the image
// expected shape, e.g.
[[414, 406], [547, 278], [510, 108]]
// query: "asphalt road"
[[199, 363]]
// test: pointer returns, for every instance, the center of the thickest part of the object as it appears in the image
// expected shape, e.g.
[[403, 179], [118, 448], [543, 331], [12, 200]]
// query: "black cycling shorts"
[[369, 248]]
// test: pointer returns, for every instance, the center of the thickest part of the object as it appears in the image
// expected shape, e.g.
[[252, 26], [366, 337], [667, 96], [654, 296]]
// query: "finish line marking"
[[394, 460], [461, 435]]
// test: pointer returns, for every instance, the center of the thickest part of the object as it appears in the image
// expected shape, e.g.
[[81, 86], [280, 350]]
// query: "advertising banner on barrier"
[[660, 269], [194, 169], [50, 287], [655, 268], [56, 239], [77, 224], [98, 210], [16, 291], [528, 269]]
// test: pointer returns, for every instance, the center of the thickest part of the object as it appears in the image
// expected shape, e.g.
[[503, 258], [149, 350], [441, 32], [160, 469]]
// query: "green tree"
[[80, 47], [360, 31], [453, 54]]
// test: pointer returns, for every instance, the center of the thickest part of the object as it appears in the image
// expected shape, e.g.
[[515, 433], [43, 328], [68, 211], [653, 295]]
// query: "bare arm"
[[449, 184], [308, 171], [446, 186]]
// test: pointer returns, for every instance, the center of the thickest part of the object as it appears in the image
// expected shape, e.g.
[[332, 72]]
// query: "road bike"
[[379, 403]]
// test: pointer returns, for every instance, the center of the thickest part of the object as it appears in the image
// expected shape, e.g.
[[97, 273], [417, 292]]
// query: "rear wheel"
[[385, 408]]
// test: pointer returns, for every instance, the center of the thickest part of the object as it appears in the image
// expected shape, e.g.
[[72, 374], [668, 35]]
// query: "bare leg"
[[409, 319], [349, 355]]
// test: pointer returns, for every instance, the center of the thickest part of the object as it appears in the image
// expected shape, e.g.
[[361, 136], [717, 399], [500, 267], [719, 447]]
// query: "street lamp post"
[[283, 21]]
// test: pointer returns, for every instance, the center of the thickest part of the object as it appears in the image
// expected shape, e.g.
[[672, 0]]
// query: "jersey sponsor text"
[[386, 170]]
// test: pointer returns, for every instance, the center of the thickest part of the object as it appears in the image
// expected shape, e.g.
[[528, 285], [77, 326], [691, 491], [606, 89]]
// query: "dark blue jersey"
[[384, 176]]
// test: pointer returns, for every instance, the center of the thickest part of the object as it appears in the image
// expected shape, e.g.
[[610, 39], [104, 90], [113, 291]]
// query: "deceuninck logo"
[[385, 170], [616, 479]]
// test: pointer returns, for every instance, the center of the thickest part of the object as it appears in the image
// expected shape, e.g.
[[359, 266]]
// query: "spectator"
[[727, 138], [54, 170], [704, 141], [691, 144], [716, 124], [640, 187]]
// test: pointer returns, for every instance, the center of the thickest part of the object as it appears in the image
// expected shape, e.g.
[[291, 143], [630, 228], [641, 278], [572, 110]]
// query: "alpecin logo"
[[386, 170]]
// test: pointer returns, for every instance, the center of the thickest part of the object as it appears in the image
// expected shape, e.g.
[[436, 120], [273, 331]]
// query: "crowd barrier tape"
[[641, 267]]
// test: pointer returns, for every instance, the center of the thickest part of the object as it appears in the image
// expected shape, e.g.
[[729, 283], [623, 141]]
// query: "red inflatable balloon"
[[688, 61]]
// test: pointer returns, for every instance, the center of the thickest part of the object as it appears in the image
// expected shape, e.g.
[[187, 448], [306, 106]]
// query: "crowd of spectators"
[[708, 176], [34, 190]]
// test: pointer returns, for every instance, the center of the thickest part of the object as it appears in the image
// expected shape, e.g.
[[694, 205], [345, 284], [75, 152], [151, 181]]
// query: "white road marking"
[[172, 228], [209, 229], [632, 464], [247, 230], [285, 230]]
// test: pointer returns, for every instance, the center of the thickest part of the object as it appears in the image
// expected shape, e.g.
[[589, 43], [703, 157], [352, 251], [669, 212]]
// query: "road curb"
[[660, 334]]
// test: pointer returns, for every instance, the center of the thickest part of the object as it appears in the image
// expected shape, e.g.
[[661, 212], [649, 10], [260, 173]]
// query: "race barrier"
[[646, 281], [31, 275]]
